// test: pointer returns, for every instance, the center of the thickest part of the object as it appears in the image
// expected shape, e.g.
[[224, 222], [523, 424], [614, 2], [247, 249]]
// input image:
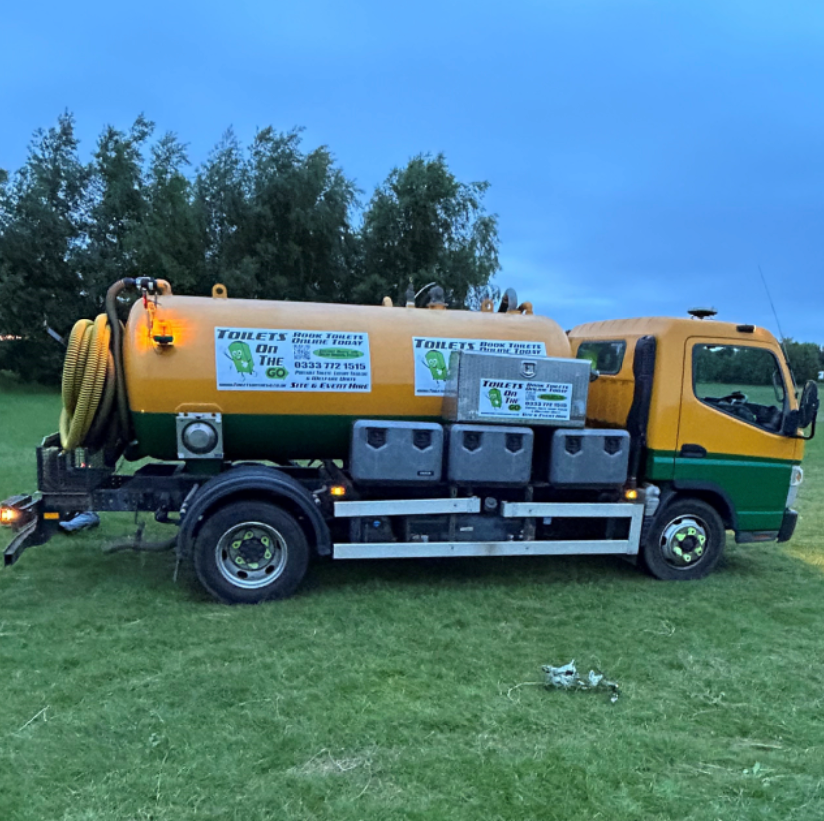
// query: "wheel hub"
[[252, 554], [251, 549], [684, 541]]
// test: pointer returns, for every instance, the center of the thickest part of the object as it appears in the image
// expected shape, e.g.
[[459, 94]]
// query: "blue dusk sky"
[[644, 157]]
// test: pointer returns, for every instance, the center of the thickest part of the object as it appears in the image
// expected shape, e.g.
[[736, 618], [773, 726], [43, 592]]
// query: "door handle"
[[693, 451]]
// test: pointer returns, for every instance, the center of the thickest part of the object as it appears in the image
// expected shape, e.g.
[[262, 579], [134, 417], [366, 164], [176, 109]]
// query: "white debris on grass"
[[567, 678]]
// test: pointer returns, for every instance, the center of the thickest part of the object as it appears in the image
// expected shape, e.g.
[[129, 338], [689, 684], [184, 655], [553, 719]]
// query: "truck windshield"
[[740, 380]]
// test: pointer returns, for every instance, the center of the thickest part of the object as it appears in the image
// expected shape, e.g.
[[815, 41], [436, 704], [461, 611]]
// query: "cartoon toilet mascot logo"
[[438, 369], [241, 355]]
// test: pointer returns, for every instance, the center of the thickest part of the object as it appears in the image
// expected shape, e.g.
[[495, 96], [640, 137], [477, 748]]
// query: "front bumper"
[[788, 524]]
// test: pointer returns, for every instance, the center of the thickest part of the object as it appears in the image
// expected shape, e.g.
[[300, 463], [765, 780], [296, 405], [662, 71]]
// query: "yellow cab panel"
[[718, 399]]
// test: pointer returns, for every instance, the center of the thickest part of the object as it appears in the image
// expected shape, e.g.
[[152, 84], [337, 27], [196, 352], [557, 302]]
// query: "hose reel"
[[88, 385], [95, 411]]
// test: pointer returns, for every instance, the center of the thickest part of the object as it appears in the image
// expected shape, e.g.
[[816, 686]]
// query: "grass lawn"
[[385, 690]]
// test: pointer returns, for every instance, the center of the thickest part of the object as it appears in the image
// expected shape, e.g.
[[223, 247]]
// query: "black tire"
[[249, 552], [673, 549]]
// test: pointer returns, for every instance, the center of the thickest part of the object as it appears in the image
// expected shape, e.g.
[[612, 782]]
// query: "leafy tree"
[[734, 365], [221, 202], [44, 219], [169, 241], [119, 205], [423, 225], [805, 360], [747, 365], [269, 221], [278, 221]]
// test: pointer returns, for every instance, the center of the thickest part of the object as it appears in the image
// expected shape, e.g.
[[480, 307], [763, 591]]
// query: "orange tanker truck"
[[274, 432]]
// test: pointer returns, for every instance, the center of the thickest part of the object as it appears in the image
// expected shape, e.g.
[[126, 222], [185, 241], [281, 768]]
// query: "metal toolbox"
[[514, 390], [487, 454], [589, 458], [388, 451]]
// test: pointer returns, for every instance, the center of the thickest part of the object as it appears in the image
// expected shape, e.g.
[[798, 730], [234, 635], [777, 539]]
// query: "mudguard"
[[252, 481]]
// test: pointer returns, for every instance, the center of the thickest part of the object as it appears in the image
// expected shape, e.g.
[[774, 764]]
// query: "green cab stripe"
[[756, 486]]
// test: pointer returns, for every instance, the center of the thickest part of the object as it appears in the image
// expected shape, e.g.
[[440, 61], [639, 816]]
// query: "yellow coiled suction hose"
[[95, 411], [88, 385]]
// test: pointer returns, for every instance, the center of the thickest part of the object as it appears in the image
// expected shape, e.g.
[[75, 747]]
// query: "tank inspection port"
[[199, 437]]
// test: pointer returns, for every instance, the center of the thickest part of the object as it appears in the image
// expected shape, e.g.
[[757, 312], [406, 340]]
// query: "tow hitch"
[[22, 515]]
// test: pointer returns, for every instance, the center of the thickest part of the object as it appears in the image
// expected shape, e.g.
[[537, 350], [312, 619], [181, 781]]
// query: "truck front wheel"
[[249, 552], [685, 541]]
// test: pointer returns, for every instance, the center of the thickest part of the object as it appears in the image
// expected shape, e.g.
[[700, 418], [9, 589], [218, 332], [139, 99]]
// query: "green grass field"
[[404, 690]]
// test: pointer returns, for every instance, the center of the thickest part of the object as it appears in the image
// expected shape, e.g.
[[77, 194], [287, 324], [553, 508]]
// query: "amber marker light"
[[337, 490], [8, 515], [631, 494]]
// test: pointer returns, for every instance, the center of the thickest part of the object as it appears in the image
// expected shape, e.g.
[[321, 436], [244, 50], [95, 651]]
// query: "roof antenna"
[[775, 314]]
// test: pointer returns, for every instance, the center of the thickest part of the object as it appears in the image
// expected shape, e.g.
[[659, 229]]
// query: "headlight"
[[796, 478]]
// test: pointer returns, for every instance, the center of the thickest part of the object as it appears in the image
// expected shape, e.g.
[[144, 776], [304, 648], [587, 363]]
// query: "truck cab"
[[720, 426]]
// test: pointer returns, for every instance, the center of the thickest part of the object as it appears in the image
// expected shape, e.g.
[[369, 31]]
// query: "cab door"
[[729, 437]]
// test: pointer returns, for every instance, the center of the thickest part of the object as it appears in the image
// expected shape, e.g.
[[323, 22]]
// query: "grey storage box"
[[489, 455], [515, 390], [589, 458], [396, 452]]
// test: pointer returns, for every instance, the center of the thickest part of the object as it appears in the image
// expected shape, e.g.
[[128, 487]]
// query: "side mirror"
[[808, 405], [806, 414]]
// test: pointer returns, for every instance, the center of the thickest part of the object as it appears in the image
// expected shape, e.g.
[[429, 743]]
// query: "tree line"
[[746, 365], [806, 359], [269, 220]]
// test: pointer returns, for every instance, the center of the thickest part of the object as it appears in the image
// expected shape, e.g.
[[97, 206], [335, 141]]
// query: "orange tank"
[[290, 378]]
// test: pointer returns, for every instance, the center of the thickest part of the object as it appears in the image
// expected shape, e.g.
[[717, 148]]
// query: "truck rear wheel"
[[686, 541], [249, 552]]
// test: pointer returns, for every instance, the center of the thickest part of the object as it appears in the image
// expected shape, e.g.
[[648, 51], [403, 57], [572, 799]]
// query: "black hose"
[[117, 351], [133, 543]]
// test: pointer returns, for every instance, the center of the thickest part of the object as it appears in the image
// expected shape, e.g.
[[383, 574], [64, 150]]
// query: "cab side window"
[[605, 356], [742, 381]]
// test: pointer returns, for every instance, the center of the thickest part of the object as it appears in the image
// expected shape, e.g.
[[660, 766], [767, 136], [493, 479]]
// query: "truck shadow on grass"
[[74, 566], [459, 572]]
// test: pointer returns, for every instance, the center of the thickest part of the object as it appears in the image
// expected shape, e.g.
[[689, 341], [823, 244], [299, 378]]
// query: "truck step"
[[422, 550]]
